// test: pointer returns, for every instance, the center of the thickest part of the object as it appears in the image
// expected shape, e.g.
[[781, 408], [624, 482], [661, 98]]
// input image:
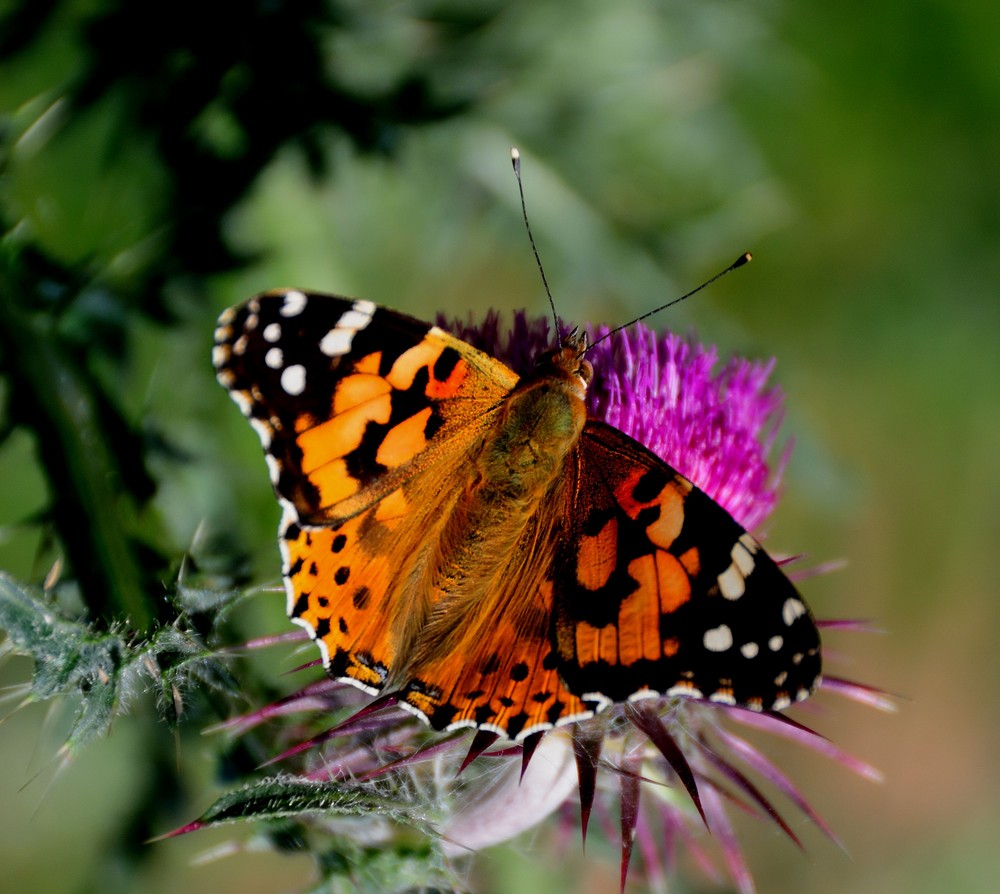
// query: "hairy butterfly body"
[[471, 541]]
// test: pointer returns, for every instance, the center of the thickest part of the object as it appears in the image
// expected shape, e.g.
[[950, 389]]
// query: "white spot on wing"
[[781, 703], [573, 718], [723, 698], [749, 650], [742, 558], [731, 583], [354, 319], [273, 466], [275, 358], [336, 342], [791, 610], [272, 332], [293, 379], [601, 702], [242, 401], [718, 639], [775, 643], [642, 694], [295, 303], [685, 689], [220, 354], [264, 432], [569, 718]]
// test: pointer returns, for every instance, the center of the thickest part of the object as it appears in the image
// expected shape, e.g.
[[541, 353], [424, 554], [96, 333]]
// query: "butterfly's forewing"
[[659, 590], [364, 415]]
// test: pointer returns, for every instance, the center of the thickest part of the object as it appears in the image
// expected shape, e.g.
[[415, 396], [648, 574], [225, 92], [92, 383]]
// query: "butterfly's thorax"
[[538, 425]]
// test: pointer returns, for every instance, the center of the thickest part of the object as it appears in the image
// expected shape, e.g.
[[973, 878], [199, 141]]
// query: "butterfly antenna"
[[515, 160], [744, 258]]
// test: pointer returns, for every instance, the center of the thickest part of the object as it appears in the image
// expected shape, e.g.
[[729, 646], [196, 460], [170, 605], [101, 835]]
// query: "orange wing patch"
[[659, 590], [404, 440], [596, 556], [337, 587], [634, 498]]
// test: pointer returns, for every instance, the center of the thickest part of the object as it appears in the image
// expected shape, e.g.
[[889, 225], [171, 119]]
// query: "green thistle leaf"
[[282, 797], [106, 671], [347, 865], [69, 658]]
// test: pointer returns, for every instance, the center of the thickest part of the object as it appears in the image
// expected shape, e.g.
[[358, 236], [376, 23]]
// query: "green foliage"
[[286, 797], [347, 867], [108, 672], [70, 659], [344, 830]]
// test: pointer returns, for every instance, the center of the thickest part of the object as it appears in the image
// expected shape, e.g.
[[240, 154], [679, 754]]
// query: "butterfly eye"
[[586, 371]]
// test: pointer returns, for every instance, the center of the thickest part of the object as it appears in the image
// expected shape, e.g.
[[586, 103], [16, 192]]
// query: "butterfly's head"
[[566, 361]]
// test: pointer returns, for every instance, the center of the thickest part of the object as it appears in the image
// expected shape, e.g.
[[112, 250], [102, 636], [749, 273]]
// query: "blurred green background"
[[169, 166]]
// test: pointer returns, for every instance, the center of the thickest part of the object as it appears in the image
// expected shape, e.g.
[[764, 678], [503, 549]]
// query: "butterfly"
[[466, 539]]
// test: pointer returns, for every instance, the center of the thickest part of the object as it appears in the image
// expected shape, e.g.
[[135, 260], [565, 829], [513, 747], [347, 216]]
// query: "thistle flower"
[[664, 767]]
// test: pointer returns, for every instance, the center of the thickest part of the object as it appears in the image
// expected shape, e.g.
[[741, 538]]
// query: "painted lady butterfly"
[[469, 540]]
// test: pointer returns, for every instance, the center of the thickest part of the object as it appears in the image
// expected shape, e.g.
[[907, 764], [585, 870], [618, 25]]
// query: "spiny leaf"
[[69, 657], [282, 797], [100, 667]]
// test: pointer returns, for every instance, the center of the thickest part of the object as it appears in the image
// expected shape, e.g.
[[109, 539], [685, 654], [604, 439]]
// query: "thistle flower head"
[[661, 769]]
